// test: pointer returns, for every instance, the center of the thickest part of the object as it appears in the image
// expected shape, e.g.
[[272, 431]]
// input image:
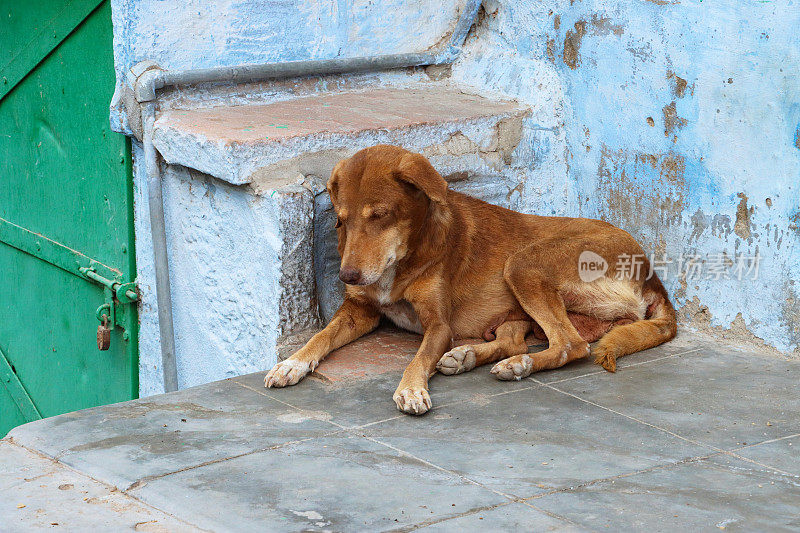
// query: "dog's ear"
[[416, 170], [333, 182]]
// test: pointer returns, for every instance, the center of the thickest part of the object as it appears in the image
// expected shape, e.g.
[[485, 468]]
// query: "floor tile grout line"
[[538, 383], [549, 384], [439, 520], [659, 428], [147, 479], [353, 430], [684, 352], [692, 441], [262, 393], [448, 404], [150, 505], [109, 486], [515, 499], [376, 422], [549, 513], [476, 510], [599, 372], [768, 467], [663, 466], [368, 424], [770, 441], [526, 500], [340, 426], [440, 468], [359, 426]]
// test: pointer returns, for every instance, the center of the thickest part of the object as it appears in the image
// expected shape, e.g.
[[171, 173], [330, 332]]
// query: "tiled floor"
[[691, 435]]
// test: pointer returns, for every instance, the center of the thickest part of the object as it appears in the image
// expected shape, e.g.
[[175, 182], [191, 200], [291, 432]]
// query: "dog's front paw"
[[516, 367], [286, 373], [459, 359], [413, 400]]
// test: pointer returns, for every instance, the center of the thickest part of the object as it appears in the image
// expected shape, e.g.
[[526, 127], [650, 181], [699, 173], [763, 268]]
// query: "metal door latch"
[[116, 293]]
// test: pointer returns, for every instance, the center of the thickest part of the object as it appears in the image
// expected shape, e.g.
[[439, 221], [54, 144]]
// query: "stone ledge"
[[233, 142]]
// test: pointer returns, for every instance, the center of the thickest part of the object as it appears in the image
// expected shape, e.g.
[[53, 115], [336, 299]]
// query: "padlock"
[[103, 334]]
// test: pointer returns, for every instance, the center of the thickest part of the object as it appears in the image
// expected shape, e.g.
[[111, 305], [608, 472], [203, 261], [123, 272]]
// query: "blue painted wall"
[[680, 123], [678, 120], [204, 33]]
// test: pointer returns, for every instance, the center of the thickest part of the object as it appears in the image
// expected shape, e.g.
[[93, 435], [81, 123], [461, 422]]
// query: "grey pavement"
[[692, 435]]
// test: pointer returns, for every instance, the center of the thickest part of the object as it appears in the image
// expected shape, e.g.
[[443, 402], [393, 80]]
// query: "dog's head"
[[384, 197]]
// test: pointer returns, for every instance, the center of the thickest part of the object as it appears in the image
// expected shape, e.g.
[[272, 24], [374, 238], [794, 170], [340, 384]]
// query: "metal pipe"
[[295, 69], [153, 80], [160, 260]]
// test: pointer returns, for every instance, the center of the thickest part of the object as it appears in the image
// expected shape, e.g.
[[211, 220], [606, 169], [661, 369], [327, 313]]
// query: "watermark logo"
[[591, 266], [715, 267]]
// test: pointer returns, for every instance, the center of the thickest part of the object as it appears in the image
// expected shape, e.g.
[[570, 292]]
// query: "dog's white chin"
[[371, 280], [376, 277]]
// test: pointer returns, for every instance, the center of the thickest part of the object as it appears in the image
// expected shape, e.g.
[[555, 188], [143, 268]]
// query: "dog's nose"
[[350, 275]]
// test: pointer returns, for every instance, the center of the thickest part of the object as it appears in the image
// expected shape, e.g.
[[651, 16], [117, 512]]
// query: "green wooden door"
[[65, 206]]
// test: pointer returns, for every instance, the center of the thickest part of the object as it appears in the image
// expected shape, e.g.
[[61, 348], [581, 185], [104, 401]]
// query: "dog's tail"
[[659, 326]]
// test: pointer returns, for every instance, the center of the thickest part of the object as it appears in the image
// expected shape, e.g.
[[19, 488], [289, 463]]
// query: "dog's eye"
[[338, 223], [378, 215]]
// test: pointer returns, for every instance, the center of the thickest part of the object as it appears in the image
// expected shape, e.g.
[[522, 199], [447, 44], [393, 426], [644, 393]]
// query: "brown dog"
[[450, 266]]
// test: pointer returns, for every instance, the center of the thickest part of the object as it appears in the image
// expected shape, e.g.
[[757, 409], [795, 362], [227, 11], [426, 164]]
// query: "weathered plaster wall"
[[680, 121], [224, 251], [203, 34]]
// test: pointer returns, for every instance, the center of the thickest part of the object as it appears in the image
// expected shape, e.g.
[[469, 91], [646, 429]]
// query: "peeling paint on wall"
[[678, 84], [670, 110], [672, 122], [625, 193], [736, 332], [572, 45], [602, 25], [742, 225]]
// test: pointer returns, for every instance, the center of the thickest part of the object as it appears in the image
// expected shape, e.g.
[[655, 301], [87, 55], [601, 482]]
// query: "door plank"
[[38, 46], [17, 391]]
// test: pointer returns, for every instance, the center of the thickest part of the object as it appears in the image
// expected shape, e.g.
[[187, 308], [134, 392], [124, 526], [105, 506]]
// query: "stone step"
[[250, 227], [233, 142]]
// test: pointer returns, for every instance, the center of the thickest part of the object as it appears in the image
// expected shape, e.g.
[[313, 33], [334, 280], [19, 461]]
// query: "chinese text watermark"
[[592, 266]]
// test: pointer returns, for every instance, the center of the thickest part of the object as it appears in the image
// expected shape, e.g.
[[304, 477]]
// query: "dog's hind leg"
[[659, 326], [510, 341], [541, 300]]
